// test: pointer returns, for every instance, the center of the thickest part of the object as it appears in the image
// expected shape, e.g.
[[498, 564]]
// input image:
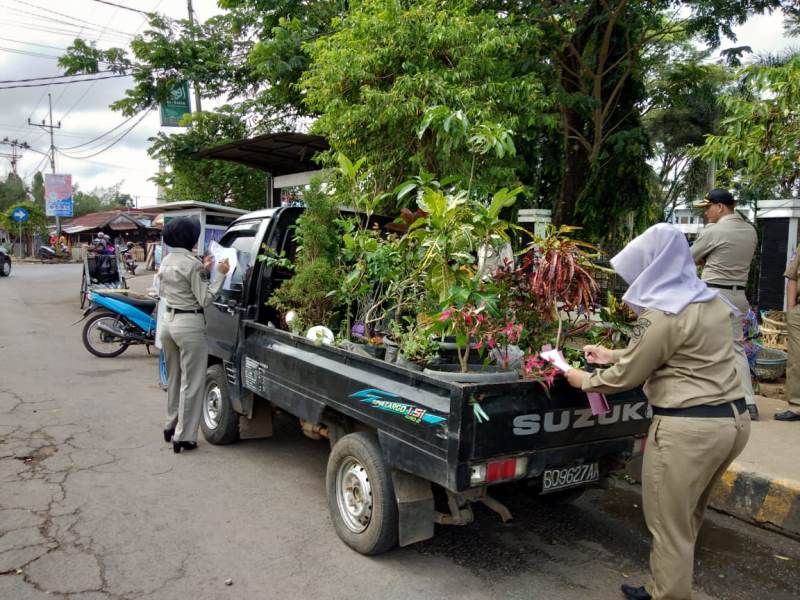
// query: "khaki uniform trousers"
[[684, 458], [183, 339], [739, 300], [793, 364]]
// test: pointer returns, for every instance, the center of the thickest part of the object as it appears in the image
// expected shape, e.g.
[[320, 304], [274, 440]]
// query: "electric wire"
[[53, 77], [121, 6], [116, 141], [102, 135], [71, 17], [31, 85]]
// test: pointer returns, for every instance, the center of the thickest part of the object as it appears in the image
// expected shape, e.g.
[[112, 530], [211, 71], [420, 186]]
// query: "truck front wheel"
[[361, 495], [220, 424]]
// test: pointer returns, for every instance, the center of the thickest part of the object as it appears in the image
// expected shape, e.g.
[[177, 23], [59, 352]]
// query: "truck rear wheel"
[[220, 424], [361, 495]]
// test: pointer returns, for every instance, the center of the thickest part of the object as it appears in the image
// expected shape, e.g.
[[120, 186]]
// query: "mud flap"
[[414, 507], [259, 425]]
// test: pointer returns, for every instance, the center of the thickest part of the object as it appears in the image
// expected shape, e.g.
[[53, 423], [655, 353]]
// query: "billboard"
[[58, 195], [178, 105]]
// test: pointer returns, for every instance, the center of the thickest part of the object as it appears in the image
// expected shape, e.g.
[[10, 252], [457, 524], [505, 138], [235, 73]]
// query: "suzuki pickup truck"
[[408, 451]]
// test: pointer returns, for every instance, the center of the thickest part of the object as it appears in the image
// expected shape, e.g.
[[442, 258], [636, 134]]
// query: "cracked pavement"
[[94, 505]]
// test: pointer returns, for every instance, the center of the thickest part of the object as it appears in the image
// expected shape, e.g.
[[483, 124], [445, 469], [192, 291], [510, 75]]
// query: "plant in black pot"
[[416, 348]]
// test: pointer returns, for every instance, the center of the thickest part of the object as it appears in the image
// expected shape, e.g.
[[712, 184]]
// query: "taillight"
[[498, 470], [639, 445]]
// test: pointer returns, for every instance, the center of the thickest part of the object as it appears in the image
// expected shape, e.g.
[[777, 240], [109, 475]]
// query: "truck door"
[[222, 319]]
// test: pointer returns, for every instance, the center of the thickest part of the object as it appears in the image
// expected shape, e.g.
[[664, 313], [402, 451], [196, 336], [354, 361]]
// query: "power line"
[[121, 6], [102, 135], [29, 85], [51, 77], [116, 141], [32, 44], [71, 17], [61, 22]]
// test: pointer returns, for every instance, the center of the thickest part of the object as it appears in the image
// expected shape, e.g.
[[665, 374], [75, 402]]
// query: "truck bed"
[[427, 426]]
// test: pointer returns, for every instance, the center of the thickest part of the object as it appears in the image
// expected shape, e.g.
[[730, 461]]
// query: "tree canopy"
[[563, 87]]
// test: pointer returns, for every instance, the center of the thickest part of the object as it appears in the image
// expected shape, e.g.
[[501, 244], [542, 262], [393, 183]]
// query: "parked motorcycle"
[[117, 320], [50, 253], [128, 260]]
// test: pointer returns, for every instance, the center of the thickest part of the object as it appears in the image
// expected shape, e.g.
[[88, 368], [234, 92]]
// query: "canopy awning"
[[276, 153]]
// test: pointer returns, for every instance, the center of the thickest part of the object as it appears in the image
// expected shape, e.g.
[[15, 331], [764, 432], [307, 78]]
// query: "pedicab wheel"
[[84, 290], [103, 343], [361, 497]]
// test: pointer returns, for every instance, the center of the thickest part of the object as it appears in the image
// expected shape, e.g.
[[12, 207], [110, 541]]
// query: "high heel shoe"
[[178, 446], [168, 433]]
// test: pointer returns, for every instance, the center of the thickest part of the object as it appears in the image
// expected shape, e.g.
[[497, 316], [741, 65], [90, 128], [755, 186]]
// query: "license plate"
[[567, 477]]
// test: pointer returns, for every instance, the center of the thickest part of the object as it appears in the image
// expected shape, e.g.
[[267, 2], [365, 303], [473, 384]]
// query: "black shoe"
[[178, 446], [787, 415], [635, 593], [753, 410], [168, 433]]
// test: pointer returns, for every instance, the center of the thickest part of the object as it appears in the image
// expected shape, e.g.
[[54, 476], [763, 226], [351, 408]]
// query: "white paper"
[[554, 357], [219, 253]]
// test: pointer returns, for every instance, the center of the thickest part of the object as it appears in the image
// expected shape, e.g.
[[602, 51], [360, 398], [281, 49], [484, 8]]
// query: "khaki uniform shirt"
[[793, 268], [184, 282], [683, 360], [727, 247]]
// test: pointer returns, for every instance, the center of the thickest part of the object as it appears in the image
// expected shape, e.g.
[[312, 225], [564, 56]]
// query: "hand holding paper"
[[557, 359]]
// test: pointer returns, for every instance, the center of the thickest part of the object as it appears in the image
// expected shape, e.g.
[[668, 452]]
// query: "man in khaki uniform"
[[792, 274], [682, 350], [725, 248]]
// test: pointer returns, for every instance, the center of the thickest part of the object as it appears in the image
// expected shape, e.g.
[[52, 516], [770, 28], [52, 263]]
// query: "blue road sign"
[[20, 215]]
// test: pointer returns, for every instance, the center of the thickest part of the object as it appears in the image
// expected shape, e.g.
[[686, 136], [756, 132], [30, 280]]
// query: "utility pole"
[[197, 106], [50, 128], [15, 153]]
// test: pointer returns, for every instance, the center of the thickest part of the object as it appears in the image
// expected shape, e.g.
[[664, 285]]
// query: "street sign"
[[20, 215], [58, 195], [178, 105]]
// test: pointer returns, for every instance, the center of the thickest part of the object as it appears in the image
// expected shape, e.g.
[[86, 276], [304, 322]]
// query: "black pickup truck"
[[396, 435]]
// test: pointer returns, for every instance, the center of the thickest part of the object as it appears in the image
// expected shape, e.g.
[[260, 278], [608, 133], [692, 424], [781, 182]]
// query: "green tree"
[[37, 188], [757, 146], [684, 107], [84, 203], [12, 190], [373, 81], [210, 181]]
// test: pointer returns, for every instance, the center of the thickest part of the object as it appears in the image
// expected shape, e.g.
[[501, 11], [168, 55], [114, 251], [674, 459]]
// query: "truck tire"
[[220, 424], [361, 495]]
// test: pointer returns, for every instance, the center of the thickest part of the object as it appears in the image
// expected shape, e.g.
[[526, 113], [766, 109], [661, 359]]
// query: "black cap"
[[716, 196]]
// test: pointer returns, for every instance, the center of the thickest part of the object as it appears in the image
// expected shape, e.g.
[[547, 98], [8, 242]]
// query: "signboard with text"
[[178, 105], [58, 195]]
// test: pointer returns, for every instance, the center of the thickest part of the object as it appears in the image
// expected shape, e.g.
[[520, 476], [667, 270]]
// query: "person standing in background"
[[725, 248], [184, 287], [792, 394]]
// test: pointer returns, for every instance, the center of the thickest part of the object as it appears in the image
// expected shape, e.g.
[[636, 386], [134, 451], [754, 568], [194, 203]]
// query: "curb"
[[752, 497]]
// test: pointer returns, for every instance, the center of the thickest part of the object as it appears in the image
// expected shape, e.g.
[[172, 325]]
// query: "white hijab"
[[660, 272]]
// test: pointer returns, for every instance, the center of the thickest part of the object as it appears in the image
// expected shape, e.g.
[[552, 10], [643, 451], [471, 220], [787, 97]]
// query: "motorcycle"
[[50, 253], [128, 260], [117, 320]]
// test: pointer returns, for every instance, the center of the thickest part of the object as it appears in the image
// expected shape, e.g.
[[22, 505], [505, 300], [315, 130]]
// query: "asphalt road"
[[94, 505]]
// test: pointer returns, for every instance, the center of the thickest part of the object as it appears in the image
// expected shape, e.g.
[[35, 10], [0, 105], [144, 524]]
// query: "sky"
[[32, 36]]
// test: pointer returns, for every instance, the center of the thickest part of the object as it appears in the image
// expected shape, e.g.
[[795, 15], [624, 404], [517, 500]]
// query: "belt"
[[180, 311], [725, 287], [704, 410]]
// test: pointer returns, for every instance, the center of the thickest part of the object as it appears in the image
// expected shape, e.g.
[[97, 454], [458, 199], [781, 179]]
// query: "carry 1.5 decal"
[[388, 402]]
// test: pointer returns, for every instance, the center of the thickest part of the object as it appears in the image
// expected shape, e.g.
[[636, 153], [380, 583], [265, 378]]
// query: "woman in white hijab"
[[682, 350]]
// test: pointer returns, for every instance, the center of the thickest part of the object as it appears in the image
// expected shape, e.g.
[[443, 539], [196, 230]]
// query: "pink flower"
[[446, 314]]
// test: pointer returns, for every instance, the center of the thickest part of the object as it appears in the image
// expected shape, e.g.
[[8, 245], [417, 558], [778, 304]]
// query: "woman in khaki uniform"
[[682, 350], [792, 274], [184, 287]]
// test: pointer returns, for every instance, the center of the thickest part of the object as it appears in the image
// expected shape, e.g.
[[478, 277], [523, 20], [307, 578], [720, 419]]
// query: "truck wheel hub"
[[211, 407], [354, 495]]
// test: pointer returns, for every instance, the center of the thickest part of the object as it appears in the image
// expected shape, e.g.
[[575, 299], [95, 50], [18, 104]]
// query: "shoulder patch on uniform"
[[638, 328]]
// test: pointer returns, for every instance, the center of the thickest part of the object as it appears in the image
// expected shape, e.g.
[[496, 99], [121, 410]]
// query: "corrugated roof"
[[135, 218]]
